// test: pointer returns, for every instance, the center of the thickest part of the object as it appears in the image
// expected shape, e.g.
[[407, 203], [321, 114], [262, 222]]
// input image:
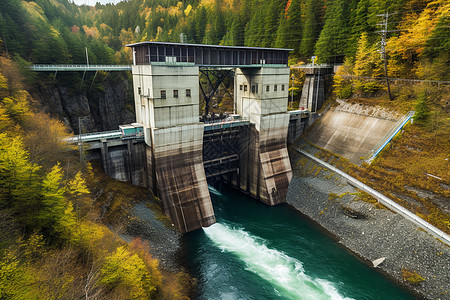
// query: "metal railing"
[[389, 136], [49, 68], [93, 136], [436, 232], [393, 79], [304, 66], [226, 124]]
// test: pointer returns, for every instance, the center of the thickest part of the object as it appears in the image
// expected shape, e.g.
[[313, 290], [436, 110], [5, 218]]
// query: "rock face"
[[101, 109]]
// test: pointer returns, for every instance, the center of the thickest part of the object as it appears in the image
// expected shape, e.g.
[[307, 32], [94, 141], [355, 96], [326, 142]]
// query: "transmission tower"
[[384, 31]]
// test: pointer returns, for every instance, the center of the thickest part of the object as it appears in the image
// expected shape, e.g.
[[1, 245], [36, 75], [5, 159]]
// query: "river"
[[260, 252]]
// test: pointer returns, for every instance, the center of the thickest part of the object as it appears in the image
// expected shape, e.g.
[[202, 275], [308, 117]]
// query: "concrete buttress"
[[167, 104], [262, 96]]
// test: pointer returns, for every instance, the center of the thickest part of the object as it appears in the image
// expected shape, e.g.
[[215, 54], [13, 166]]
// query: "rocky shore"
[[371, 232], [164, 242]]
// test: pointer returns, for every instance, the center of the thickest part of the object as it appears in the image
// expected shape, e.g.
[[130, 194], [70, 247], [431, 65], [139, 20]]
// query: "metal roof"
[[205, 46]]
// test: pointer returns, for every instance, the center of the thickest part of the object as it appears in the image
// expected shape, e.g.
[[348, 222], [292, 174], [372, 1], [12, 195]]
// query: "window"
[[240, 87], [175, 93], [268, 88], [163, 94], [139, 90], [275, 87], [245, 88], [282, 87], [256, 88], [188, 92], [253, 89]]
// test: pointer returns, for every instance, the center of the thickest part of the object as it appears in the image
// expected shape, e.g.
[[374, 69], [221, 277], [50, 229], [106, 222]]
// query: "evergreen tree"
[[332, 42], [202, 19], [270, 23], [281, 36], [255, 30], [311, 28], [294, 25]]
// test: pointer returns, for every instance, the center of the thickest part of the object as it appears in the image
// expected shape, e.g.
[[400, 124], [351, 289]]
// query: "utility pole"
[[384, 31], [292, 91]]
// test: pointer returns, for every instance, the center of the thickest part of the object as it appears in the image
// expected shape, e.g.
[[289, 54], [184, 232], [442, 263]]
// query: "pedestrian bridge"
[[76, 68]]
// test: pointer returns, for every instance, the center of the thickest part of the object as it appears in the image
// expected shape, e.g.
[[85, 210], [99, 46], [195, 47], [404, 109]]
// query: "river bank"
[[377, 232]]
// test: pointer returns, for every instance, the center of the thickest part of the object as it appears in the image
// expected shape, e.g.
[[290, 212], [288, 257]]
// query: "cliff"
[[101, 107]]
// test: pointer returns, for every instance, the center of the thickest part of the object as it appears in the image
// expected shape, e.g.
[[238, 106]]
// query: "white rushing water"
[[284, 273]]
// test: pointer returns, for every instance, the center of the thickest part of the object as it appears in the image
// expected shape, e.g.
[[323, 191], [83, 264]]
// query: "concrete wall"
[[174, 138], [349, 133], [123, 160], [265, 170], [315, 86]]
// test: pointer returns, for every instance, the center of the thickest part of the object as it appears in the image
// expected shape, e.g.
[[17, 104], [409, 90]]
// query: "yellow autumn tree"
[[367, 64], [126, 274]]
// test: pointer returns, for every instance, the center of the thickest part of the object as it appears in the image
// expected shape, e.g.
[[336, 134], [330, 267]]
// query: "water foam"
[[214, 191], [286, 274]]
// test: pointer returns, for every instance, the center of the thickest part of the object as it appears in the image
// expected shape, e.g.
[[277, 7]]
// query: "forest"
[[57, 31], [53, 239]]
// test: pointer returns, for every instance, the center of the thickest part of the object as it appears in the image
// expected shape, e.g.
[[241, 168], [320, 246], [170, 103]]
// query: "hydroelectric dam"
[[174, 153]]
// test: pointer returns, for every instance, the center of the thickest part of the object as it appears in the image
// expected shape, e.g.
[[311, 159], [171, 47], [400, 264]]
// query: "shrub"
[[422, 110]]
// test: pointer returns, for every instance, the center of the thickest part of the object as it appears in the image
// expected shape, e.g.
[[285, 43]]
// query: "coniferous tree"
[[294, 25], [332, 42], [255, 29], [201, 17], [270, 23], [281, 36], [311, 28]]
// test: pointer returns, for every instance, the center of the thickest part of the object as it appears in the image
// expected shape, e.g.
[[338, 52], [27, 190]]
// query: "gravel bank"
[[164, 243], [377, 233]]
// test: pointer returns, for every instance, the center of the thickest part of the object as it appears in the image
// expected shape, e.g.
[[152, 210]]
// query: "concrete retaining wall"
[[349, 134]]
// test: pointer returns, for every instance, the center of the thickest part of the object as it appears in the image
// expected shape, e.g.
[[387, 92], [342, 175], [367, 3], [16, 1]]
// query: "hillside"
[[54, 212]]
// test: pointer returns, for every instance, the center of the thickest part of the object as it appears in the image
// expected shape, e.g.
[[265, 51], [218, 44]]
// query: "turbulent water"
[[260, 252]]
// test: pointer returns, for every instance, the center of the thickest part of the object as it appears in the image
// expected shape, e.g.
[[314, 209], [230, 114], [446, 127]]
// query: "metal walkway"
[[68, 68], [116, 134]]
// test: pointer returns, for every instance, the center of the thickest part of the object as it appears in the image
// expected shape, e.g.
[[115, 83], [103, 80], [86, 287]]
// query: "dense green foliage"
[[56, 31]]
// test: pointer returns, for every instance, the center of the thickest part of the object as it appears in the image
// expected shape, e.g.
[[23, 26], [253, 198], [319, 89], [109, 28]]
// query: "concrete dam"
[[176, 153]]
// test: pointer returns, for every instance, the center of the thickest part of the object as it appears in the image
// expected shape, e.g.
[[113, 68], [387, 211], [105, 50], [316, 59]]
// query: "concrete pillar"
[[167, 104], [314, 87], [105, 157], [262, 98]]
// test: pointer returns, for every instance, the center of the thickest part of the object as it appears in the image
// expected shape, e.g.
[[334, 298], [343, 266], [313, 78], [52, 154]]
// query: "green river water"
[[260, 252]]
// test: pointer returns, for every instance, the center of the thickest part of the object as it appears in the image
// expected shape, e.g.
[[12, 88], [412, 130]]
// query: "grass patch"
[[335, 197], [398, 167], [411, 276], [363, 196]]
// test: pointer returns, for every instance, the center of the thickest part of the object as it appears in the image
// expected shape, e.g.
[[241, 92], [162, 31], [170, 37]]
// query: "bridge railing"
[[304, 66], [389, 136], [42, 67], [226, 124], [93, 136]]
